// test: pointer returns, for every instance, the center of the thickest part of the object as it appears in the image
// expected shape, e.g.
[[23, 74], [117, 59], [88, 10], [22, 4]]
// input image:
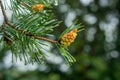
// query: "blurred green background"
[[96, 49]]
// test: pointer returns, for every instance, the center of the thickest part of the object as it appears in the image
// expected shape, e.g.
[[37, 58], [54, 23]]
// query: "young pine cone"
[[68, 38], [38, 7]]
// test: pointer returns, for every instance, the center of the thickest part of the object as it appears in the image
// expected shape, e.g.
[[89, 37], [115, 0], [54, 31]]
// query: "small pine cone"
[[68, 38], [38, 7]]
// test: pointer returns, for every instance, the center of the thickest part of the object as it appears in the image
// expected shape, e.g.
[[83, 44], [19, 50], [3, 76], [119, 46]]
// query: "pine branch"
[[31, 35], [24, 36], [22, 31]]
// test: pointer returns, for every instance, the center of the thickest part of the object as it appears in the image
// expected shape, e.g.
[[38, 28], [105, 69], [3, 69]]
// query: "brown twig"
[[36, 37], [22, 31], [3, 11], [31, 35], [45, 39]]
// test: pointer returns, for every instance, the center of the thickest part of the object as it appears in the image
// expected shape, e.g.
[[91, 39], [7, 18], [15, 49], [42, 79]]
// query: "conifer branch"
[[27, 33], [31, 35], [22, 31]]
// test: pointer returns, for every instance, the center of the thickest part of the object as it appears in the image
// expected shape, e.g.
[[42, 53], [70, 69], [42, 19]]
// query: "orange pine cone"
[[38, 7], [68, 38]]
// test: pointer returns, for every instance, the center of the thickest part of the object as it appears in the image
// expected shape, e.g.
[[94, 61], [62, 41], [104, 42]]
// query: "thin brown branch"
[[3, 11], [19, 30], [36, 37], [22, 31], [45, 39]]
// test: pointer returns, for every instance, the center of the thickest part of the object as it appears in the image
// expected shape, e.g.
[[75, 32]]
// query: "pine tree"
[[32, 21]]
